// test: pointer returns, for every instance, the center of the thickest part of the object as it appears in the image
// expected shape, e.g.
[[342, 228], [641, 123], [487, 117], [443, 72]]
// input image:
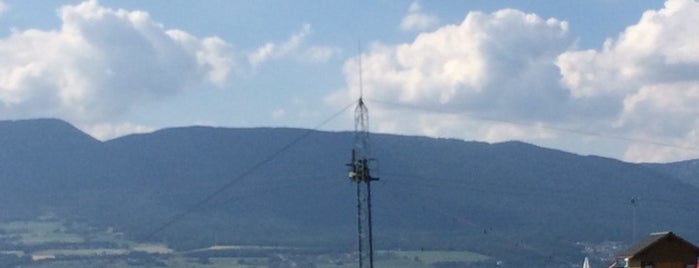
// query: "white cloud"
[[101, 62], [509, 65], [278, 113], [500, 132], [650, 75], [662, 112], [499, 65], [294, 47], [416, 20], [676, 150], [106, 131], [3, 7], [662, 47]]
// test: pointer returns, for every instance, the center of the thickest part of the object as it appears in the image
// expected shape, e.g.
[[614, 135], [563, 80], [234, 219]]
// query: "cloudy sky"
[[617, 78]]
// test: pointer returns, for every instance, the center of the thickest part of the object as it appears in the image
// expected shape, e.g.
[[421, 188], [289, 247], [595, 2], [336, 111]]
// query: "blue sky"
[[617, 78]]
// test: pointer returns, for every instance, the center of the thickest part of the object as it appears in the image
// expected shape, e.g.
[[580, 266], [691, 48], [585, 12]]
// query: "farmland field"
[[53, 243]]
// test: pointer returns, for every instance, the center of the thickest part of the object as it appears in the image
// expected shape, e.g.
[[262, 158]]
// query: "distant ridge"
[[42, 130], [503, 200]]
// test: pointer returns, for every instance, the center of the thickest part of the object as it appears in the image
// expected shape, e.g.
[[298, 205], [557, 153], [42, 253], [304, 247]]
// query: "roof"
[[649, 241]]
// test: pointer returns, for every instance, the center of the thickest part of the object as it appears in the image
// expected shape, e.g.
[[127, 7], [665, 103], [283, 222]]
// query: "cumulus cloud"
[[294, 47], [101, 62], [664, 112], [106, 131], [650, 73], [499, 64], [416, 20], [660, 48], [642, 85]]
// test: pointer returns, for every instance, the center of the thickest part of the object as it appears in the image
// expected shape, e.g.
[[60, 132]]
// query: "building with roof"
[[659, 250]]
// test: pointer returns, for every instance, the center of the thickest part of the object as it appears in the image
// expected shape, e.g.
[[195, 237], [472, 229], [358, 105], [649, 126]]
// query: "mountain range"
[[196, 186]]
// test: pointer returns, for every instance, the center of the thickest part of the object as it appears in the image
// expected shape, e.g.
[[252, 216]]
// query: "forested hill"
[[507, 200]]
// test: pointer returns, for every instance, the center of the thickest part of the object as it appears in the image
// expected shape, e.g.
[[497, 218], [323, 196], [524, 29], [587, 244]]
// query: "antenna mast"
[[634, 205], [361, 175]]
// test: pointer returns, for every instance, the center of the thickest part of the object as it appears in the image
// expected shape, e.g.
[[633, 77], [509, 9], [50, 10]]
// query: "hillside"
[[687, 171], [41, 162], [511, 201]]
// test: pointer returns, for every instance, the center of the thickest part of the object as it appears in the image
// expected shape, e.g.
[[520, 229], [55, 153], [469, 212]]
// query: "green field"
[[411, 259], [70, 245], [40, 232], [432, 257], [415, 259], [174, 262]]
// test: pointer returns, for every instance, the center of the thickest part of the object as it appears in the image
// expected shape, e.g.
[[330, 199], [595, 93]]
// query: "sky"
[[615, 78]]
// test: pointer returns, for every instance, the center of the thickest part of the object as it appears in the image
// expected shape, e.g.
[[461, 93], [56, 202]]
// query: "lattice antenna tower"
[[361, 175]]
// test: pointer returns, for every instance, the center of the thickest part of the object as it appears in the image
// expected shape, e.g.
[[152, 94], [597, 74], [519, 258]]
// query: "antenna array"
[[360, 174]]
